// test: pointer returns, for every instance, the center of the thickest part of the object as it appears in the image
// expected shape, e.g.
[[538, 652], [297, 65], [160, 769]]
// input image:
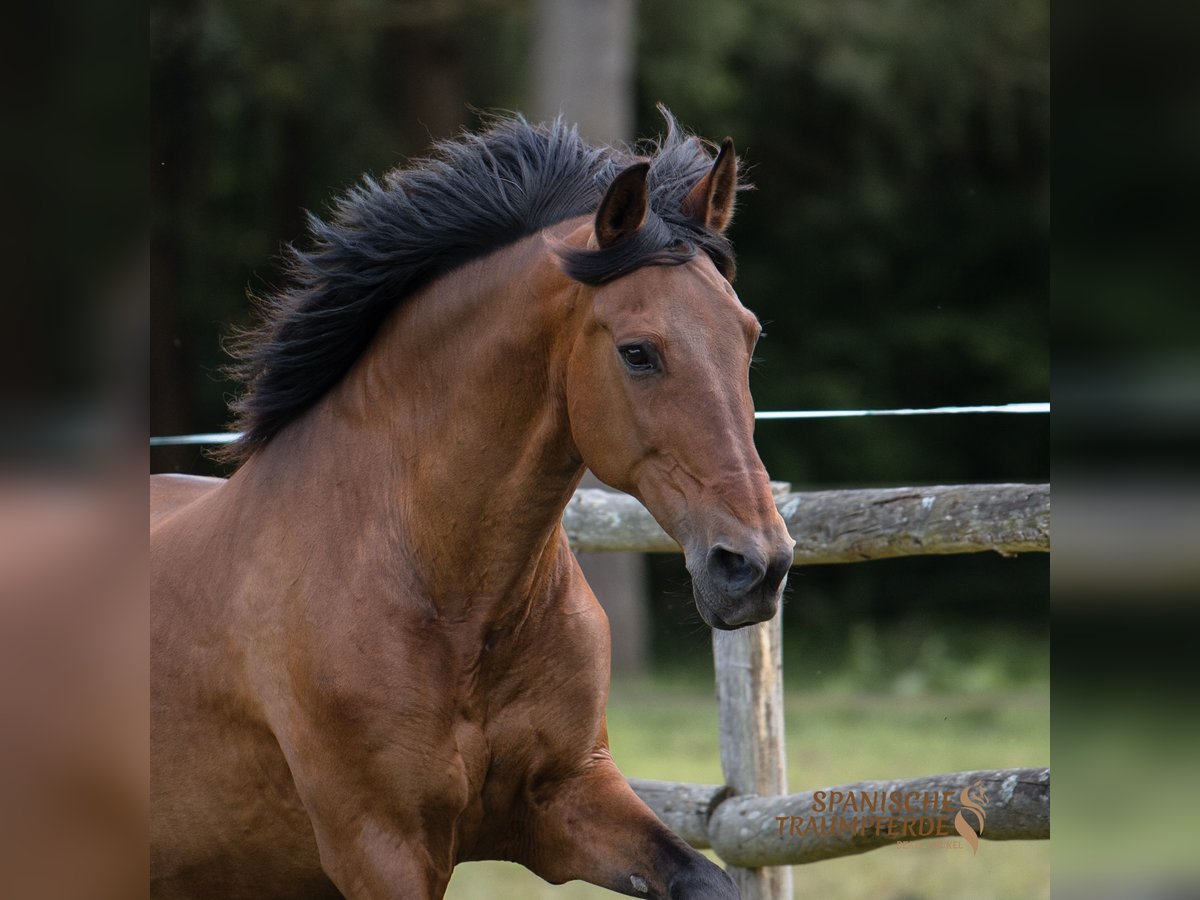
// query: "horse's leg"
[[593, 827], [367, 858], [374, 839]]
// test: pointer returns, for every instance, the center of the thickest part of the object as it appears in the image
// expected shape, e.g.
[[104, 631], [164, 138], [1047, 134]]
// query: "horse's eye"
[[639, 358]]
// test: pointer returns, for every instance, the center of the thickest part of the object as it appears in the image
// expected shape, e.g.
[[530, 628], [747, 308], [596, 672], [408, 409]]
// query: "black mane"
[[472, 196]]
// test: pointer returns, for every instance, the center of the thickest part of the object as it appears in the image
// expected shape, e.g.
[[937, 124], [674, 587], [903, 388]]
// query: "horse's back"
[[170, 493]]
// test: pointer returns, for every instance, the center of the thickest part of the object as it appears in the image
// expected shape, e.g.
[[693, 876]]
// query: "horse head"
[[658, 396]]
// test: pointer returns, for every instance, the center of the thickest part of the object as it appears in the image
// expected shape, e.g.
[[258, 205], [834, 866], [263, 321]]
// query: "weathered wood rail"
[[747, 831], [849, 525], [748, 821]]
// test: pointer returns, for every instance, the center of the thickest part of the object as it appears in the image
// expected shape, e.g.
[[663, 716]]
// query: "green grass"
[[668, 730]]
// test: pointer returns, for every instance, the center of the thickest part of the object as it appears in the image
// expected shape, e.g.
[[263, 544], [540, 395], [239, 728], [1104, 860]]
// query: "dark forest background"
[[896, 245]]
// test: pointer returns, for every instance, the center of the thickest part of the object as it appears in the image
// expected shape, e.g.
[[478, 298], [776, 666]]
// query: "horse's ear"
[[623, 208], [710, 202]]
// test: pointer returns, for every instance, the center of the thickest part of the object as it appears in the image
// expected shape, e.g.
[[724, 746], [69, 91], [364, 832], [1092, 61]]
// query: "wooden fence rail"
[[748, 831], [741, 820], [851, 525]]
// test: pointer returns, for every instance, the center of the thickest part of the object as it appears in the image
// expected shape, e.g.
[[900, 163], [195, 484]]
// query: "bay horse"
[[373, 654]]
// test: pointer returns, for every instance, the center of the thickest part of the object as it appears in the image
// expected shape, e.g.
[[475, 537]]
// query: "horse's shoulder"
[[170, 493]]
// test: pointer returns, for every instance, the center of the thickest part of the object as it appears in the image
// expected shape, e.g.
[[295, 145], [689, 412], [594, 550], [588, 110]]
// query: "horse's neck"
[[445, 454]]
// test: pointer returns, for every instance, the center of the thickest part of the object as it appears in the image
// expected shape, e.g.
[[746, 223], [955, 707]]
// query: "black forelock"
[[471, 196]]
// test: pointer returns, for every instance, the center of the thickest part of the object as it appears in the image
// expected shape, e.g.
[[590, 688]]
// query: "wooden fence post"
[[749, 669]]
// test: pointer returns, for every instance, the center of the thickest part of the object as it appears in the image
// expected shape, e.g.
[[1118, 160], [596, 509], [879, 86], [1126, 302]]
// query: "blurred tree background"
[[896, 245]]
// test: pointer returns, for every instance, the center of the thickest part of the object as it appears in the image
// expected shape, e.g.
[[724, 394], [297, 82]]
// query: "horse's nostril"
[[734, 573], [777, 570]]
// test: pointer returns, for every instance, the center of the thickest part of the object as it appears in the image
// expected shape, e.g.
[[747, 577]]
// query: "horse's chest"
[[545, 714]]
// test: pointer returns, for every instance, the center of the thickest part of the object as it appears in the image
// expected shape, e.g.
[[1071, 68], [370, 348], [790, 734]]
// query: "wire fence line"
[[1018, 408], [222, 437]]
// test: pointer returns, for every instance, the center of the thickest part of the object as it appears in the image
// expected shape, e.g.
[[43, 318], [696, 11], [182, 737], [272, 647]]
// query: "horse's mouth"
[[720, 623], [715, 621]]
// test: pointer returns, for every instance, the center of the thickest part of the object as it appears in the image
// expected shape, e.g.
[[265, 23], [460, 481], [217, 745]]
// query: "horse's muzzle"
[[737, 588]]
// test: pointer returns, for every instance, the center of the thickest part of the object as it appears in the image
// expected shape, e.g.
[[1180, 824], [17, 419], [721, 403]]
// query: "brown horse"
[[374, 655]]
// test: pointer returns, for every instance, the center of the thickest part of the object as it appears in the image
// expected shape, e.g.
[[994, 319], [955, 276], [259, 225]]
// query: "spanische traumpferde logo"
[[902, 816], [973, 799]]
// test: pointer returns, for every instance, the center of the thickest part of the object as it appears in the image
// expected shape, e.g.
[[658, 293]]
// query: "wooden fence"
[[750, 820]]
